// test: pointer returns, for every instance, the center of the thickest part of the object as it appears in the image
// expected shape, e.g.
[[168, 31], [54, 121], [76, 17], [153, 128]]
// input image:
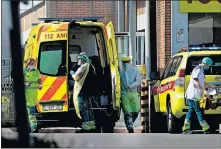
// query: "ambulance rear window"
[[215, 69], [51, 57]]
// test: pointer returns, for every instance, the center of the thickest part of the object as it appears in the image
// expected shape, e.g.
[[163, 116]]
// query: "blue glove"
[[72, 72]]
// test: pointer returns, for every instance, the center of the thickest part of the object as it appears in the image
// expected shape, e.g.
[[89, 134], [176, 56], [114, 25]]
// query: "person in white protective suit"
[[83, 88], [130, 80]]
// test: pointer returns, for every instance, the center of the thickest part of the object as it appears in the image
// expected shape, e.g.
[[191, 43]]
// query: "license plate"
[[52, 107]]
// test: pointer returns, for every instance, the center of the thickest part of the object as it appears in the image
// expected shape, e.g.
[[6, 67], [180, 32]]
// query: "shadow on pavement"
[[35, 143]]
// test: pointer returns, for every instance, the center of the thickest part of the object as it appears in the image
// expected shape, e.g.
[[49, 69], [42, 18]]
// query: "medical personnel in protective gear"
[[83, 88], [130, 80], [194, 94], [32, 84]]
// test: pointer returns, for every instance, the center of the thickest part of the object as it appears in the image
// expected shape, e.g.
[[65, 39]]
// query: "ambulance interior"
[[90, 41]]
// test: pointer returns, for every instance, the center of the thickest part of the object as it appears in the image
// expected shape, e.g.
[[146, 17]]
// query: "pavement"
[[120, 140]]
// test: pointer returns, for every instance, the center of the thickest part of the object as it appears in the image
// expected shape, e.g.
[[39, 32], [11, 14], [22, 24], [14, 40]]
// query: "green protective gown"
[[31, 91], [130, 102]]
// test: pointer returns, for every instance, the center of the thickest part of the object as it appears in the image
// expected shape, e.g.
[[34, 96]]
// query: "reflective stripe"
[[32, 82], [32, 87]]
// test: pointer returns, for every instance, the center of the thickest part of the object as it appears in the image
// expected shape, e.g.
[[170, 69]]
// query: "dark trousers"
[[129, 119]]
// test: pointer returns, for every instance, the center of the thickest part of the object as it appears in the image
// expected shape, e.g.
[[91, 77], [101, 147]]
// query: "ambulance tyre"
[[153, 118], [173, 123], [108, 125]]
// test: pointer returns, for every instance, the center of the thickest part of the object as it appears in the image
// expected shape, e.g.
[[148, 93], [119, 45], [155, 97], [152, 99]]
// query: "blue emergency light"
[[203, 48]]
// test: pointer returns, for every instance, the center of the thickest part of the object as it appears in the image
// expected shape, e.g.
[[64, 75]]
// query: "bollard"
[[144, 106]]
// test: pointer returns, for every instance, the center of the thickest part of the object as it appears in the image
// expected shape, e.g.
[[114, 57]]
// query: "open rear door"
[[52, 66], [113, 56]]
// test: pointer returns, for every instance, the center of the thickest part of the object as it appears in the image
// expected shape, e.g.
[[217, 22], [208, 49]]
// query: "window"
[[74, 50], [204, 29], [52, 57], [100, 49], [215, 69], [31, 3], [175, 66], [167, 70]]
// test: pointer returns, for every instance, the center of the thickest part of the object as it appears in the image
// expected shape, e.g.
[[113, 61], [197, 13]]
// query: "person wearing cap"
[[194, 94], [83, 89], [130, 80], [32, 84]]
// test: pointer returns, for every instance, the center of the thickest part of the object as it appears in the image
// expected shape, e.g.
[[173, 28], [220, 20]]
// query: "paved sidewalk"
[[75, 140]]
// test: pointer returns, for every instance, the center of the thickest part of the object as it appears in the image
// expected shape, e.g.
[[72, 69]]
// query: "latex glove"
[[39, 87], [72, 72], [27, 84]]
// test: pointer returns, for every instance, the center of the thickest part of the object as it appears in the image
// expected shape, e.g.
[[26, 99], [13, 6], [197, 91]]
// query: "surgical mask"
[[79, 62], [206, 67], [125, 65], [31, 67]]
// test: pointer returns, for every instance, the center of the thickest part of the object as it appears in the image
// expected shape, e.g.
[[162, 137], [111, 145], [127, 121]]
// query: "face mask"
[[206, 67], [125, 65], [79, 62], [31, 67]]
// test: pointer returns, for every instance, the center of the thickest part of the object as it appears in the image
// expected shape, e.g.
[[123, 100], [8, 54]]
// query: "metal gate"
[[7, 98]]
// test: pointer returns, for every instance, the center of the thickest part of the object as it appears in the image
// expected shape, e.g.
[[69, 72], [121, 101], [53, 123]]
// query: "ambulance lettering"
[[49, 36], [166, 87], [62, 35]]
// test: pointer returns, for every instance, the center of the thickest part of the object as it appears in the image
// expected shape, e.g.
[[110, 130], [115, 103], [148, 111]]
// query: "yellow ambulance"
[[55, 45], [169, 106]]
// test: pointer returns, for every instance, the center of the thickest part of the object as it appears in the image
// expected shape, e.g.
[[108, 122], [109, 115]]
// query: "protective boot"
[[131, 130], [85, 126], [91, 124], [186, 126], [205, 126]]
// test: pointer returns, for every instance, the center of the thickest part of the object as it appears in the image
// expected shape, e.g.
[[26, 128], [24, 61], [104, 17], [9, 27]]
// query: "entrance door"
[[122, 42]]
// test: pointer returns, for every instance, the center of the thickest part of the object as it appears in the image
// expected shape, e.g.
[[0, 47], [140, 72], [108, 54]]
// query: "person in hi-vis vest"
[[32, 84]]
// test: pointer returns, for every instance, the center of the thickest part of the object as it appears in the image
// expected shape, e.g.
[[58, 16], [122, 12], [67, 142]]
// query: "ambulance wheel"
[[108, 125], [173, 124], [157, 118], [153, 118]]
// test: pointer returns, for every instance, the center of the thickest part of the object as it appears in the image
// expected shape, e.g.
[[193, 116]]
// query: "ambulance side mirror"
[[155, 75]]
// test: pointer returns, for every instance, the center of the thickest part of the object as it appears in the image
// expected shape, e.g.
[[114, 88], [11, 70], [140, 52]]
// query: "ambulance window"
[[167, 70], [100, 49], [215, 69], [74, 50], [51, 57], [175, 66]]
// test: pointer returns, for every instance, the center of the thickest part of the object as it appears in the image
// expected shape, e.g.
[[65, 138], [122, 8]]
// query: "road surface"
[[109, 141]]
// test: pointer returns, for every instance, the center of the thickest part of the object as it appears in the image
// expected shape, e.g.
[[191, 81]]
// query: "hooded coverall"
[[130, 80], [31, 92]]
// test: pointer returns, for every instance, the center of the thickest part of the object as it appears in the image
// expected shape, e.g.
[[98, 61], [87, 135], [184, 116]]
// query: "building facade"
[[177, 23]]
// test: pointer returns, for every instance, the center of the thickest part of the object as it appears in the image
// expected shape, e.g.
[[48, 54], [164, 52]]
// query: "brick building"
[[167, 17]]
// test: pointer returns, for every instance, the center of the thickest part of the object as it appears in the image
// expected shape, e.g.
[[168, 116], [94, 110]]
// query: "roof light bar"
[[204, 48], [94, 19]]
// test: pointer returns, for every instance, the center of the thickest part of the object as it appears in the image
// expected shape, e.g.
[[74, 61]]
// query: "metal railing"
[[7, 98]]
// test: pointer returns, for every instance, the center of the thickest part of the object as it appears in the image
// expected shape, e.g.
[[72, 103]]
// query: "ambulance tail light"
[[181, 78], [182, 73]]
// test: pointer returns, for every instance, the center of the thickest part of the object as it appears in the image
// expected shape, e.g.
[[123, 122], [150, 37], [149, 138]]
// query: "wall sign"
[[196, 6], [180, 35]]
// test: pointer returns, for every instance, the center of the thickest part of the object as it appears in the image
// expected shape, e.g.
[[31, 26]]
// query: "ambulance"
[[169, 105], [55, 44]]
